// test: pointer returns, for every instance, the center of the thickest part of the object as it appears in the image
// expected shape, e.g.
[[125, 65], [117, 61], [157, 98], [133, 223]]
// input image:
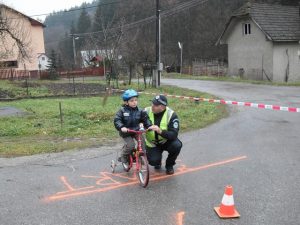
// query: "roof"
[[278, 22], [31, 20], [96, 58], [41, 54]]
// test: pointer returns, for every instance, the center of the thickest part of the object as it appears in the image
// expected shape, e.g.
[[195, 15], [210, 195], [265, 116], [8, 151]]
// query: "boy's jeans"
[[129, 145]]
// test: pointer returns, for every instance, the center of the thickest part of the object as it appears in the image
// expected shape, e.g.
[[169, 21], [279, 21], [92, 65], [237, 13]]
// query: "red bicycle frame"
[[139, 149]]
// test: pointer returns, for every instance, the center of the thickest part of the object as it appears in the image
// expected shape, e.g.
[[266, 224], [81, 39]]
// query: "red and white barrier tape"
[[249, 104]]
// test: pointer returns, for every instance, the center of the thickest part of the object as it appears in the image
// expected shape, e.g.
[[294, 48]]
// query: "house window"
[[247, 28], [9, 64]]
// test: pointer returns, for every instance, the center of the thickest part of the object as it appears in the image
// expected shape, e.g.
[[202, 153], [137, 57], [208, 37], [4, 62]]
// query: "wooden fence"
[[12, 74], [213, 67]]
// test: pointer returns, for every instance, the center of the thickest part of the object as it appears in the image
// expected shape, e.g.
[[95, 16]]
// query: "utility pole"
[[74, 48], [158, 26], [180, 45]]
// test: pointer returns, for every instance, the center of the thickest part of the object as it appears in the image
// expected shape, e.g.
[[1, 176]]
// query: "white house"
[[43, 61], [264, 42]]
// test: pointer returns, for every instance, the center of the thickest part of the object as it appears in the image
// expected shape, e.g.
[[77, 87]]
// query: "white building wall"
[[37, 45], [286, 61], [249, 53], [43, 61]]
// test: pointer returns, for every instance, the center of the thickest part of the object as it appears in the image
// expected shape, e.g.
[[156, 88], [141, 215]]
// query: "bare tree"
[[106, 40], [14, 40]]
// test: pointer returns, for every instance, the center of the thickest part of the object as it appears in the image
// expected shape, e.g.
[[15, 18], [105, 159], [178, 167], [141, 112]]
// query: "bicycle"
[[138, 157]]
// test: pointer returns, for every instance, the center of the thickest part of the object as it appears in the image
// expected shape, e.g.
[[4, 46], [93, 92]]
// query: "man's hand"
[[155, 128], [124, 129]]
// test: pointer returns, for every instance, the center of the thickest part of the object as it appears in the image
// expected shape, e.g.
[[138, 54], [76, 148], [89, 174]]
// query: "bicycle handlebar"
[[137, 131]]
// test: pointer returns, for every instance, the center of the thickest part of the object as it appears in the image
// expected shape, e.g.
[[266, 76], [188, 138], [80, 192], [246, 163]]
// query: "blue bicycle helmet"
[[128, 94]]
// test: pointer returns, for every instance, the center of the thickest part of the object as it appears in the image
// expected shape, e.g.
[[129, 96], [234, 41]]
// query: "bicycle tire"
[[143, 173], [113, 165]]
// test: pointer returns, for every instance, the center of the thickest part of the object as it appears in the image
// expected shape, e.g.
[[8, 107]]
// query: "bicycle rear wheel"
[[143, 173]]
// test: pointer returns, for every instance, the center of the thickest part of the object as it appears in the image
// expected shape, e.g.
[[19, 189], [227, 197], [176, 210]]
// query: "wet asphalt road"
[[254, 150]]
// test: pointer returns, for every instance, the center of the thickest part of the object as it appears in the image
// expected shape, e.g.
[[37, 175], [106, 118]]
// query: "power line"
[[77, 9], [182, 7], [166, 13], [70, 10]]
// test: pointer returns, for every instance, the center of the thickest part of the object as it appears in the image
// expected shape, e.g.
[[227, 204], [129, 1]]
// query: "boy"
[[130, 117]]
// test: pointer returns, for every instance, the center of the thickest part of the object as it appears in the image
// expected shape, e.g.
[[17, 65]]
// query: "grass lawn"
[[230, 79], [86, 122]]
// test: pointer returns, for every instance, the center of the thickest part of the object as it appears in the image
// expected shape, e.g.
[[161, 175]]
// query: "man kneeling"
[[163, 135]]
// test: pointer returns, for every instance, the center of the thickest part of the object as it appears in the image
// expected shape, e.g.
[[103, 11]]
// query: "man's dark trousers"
[[154, 154]]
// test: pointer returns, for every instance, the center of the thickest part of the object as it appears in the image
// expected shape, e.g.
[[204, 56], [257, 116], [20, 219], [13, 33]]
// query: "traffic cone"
[[227, 209]]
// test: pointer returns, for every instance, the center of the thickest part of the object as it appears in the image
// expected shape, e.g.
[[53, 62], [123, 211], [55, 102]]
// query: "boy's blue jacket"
[[131, 118]]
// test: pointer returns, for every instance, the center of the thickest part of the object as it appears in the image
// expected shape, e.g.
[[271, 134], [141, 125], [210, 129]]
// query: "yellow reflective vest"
[[150, 135]]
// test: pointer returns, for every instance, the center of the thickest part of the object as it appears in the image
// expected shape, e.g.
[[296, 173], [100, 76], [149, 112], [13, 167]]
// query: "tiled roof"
[[32, 21], [279, 22]]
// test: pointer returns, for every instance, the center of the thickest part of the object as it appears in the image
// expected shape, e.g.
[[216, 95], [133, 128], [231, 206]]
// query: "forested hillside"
[[195, 23]]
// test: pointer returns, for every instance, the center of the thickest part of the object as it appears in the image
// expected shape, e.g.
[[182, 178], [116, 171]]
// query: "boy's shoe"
[[169, 170], [124, 158]]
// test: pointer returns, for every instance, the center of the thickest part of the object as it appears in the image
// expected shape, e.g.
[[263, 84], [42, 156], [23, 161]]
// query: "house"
[[87, 56], [263, 42], [43, 61], [30, 31]]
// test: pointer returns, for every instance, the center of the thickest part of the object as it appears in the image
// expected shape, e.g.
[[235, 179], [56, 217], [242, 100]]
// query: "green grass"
[[230, 79], [86, 122]]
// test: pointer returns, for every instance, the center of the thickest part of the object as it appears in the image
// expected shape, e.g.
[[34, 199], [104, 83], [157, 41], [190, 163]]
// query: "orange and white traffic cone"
[[227, 209]]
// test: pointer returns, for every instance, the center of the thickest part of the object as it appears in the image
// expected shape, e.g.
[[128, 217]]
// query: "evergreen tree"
[[83, 26], [72, 28], [60, 65], [66, 48], [84, 22], [103, 16], [52, 66]]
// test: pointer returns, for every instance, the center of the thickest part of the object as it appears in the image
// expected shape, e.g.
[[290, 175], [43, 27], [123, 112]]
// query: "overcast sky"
[[36, 7]]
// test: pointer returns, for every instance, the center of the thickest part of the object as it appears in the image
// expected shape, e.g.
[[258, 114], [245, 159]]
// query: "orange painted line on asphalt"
[[125, 177], [180, 216], [77, 189], [65, 182], [104, 179], [74, 193]]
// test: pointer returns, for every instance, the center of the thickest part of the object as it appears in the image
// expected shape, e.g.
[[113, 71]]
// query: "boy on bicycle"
[[130, 117]]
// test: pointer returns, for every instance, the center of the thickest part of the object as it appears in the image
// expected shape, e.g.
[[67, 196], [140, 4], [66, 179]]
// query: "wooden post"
[[74, 90], [61, 115], [27, 92]]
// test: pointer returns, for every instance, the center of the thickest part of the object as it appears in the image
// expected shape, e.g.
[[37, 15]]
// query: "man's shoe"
[[157, 167], [169, 170]]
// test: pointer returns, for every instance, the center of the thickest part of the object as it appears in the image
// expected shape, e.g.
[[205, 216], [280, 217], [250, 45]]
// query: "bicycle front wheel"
[[143, 173]]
